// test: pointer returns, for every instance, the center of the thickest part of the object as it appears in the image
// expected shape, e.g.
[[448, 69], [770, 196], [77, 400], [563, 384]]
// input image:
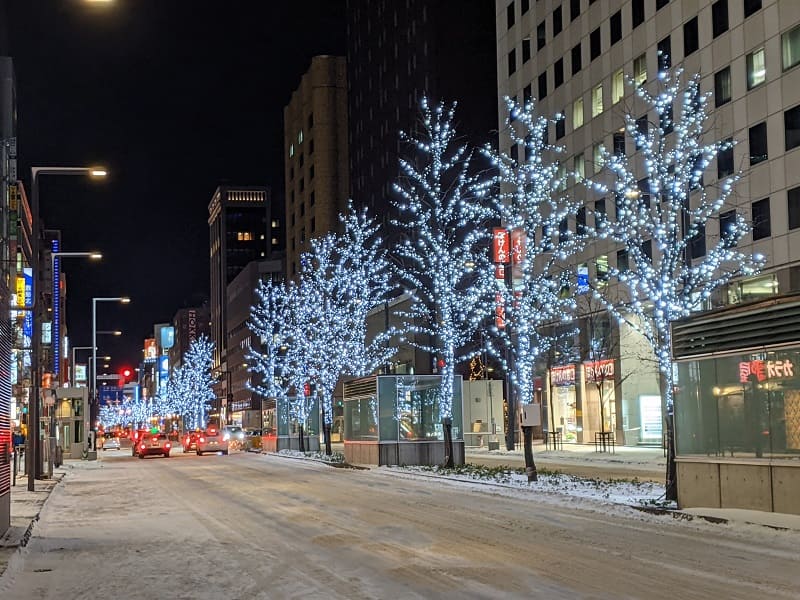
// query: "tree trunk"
[[302, 443], [447, 423], [671, 483], [530, 466], [326, 433]]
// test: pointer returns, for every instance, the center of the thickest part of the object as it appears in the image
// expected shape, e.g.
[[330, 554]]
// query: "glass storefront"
[[563, 415], [745, 404], [405, 408]]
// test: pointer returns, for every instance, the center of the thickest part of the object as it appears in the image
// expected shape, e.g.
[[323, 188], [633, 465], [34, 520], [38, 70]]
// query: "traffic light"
[[125, 375]]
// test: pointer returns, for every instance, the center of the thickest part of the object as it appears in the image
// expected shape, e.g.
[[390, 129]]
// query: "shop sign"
[[500, 245], [562, 375], [765, 369], [499, 311], [599, 370]]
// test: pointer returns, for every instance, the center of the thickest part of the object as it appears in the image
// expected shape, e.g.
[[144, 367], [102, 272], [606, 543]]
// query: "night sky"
[[174, 97]]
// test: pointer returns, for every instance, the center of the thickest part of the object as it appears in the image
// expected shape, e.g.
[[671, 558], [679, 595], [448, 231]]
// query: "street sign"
[[103, 377]]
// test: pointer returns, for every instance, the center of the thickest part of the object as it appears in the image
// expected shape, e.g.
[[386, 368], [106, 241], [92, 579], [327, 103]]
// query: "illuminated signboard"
[[562, 375], [150, 350], [54, 247], [600, 370], [765, 369]]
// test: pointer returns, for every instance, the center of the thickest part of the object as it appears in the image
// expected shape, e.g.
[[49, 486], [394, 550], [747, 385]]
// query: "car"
[[136, 437], [109, 441], [233, 432], [189, 441], [252, 439], [153, 443], [211, 440]]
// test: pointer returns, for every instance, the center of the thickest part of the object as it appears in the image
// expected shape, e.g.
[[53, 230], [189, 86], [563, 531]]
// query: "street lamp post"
[[34, 451], [55, 269], [93, 404]]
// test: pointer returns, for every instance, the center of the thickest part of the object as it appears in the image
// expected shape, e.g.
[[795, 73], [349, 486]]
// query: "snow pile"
[[334, 458], [630, 492]]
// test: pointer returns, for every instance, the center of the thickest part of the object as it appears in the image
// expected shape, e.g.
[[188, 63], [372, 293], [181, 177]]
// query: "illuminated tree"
[[541, 248], [659, 220], [189, 389], [443, 257]]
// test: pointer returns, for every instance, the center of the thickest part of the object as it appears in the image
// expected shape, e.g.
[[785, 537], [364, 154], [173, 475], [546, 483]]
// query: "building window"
[[637, 13], [622, 261], [647, 249], [619, 143], [751, 6], [311, 198], [244, 236], [727, 227], [790, 45], [601, 266], [579, 167], [594, 44], [311, 120], [758, 143], [542, 85], [302, 209], [722, 87], [560, 128], [616, 27], [664, 55], [514, 153], [576, 59], [641, 130], [640, 69], [311, 172], [313, 224], [617, 86], [574, 9], [299, 137], [756, 68], [526, 50], [558, 22], [597, 100], [540, 36], [719, 17], [661, 4], [524, 6], [725, 160], [527, 95], [563, 231], [597, 157], [697, 246], [665, 120], [512, 61], [291, 150], [510, 15], [558, 72], [791, 126], [577, 113], [691, 37], [580, 221], [761, 225], [793, 202], [599, 212]]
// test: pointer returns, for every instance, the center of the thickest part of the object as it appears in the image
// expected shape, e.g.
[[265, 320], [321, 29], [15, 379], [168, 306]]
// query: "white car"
[[109, 442], [211, 440]]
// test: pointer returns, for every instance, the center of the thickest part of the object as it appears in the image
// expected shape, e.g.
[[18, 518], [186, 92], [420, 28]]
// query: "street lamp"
[[33, 451], [55, 269], [93, 407]]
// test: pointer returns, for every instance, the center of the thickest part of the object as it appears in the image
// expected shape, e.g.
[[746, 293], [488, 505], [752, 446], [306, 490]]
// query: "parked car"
[[252, 439], [154, 443], [211, 440], [189, 441], [110, 441]]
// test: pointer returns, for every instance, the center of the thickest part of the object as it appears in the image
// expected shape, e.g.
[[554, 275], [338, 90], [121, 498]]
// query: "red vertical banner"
[[519, 241], [499, 311], [500, 246]]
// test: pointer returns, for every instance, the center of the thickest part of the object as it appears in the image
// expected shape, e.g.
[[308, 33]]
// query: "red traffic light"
[[125, 374]]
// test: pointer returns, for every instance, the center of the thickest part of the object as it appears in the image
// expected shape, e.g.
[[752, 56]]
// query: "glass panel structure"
[[745, 405]]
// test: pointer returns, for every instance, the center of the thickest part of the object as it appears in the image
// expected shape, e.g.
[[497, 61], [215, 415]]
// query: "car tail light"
[[202, 440], [168, 445], [142, 447]]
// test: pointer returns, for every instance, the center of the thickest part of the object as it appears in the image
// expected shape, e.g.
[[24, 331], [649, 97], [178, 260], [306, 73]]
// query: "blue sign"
[[54, 247], [167, 337], [583, 279], [163, 375], [27, 323]]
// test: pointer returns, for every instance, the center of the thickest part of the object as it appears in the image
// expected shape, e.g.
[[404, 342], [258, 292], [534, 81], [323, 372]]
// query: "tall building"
[[397, 53], [240, 232], [244, 405], [315, 142], [575, 56]]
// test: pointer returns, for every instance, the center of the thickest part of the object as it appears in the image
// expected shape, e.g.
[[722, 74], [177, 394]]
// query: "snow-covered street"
[[263, 526]]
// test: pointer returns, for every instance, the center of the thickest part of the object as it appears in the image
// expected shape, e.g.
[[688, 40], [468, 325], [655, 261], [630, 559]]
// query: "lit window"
[[578, 165], [291, 150], [597, 156], [790, 43], [274, 223], [300, 137], [617, 86], [756, 69], [274, 241], [577, 113], [640, 70], [597, 100]]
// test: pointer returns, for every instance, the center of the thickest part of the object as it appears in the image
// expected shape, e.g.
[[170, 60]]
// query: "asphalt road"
[[249, 526]]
